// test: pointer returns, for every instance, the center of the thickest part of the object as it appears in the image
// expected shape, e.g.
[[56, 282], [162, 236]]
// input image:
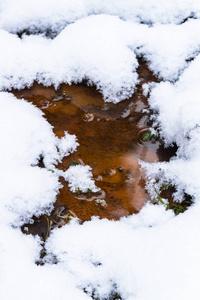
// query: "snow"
[[67, 145], [23, 144], [137, 258], [153, 254], [37, 58], [80, 179], [73, 56], [178, 107], [35, 15], [22, 279]]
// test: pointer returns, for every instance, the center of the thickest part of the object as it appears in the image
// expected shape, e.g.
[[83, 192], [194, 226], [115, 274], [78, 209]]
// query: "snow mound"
[[133, 260], [80, 179], [178, 121], [27, 138], [110, 62], [34, 15], [71, 57]]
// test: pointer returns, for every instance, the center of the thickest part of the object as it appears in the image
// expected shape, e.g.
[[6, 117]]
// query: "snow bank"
[[72, 57], [28, 190], [110, 62], [40, 16], [22, 279], [178, 121], [26, 138], [168, 48], [136, 257]]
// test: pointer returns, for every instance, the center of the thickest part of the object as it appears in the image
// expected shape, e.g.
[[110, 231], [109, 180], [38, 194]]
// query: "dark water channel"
[[110, 142]]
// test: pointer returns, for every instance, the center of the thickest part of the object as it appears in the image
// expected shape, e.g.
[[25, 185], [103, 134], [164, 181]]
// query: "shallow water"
[[110, 142]]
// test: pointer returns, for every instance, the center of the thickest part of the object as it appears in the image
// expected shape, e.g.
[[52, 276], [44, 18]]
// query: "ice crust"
[[149, 256]]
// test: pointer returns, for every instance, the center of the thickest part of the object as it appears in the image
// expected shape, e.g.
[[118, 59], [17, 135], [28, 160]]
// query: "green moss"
[[74, 163]]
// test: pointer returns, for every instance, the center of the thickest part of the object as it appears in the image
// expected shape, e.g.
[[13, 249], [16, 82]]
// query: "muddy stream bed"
[[110, 138]]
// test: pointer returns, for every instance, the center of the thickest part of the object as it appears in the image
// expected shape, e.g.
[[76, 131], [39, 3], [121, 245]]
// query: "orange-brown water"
[[110, 142]]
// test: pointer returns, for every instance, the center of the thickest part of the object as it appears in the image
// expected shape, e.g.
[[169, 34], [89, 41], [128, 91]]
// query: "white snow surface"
[[149, 256], [20, 15], [80, 179], [144, 260], [73, 55], [27, 189], [178, 119]]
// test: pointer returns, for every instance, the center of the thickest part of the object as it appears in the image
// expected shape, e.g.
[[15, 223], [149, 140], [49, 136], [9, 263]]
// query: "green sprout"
[[68, 217], [88, 191], [176, 207], [148, 136], [102, 202], [86, 117], [105, 106], [74, 163], [159, 198], [78, 191], [26, 229]]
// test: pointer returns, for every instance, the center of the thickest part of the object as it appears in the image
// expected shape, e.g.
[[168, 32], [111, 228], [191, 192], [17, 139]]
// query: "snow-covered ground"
[[149, 256]]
